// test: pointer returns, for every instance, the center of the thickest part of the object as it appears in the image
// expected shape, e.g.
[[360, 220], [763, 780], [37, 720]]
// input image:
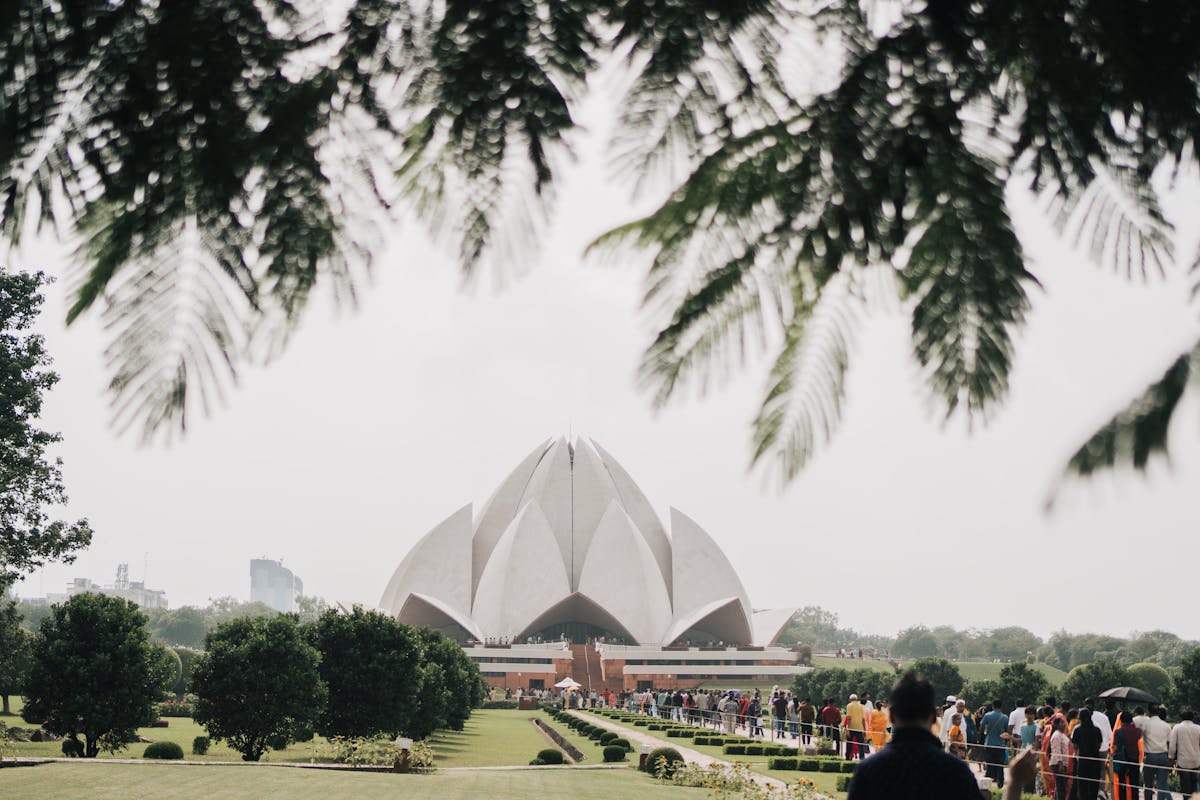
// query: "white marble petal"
[[524, 576], [500, 509], [438, 565], [640, 510], [768, 623], [702, 573], [622, 577]]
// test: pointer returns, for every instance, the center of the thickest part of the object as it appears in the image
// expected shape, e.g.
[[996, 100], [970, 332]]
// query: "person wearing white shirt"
[[1017, 718], [955, 706], [1100, 720], [1183, 752], [1156, 735]]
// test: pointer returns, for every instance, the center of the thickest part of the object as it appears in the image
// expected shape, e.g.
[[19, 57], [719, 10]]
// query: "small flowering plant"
[[737, 782]]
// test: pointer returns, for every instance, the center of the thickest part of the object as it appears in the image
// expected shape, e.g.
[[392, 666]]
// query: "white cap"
[[951, 698]]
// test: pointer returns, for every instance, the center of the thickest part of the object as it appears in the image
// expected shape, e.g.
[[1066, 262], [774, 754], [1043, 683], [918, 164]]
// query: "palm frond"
[[1117, 219], [699, 71], [487, 113], [1139, 432], [807, 384], [177, 327]]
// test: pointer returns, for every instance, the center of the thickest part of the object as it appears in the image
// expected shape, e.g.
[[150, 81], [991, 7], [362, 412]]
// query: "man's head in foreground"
[[912, 702]]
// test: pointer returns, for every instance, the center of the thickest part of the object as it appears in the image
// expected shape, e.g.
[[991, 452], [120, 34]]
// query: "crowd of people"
[[1065, 753], [1079, 750]]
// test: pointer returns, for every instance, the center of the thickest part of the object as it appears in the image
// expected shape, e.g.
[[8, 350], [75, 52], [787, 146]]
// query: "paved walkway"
[[689, 755]]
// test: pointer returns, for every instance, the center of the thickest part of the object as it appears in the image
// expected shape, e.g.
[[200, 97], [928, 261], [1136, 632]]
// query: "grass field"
[[490, 738], [494, 737], [99, 781]]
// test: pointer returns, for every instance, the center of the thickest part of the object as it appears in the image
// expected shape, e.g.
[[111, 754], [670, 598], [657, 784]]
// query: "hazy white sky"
[[377, 424]]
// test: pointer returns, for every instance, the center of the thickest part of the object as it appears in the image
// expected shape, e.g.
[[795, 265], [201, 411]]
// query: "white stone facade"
[[568, 539]]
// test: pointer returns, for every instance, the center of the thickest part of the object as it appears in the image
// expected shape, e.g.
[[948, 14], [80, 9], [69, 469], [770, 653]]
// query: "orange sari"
[[877, 726]]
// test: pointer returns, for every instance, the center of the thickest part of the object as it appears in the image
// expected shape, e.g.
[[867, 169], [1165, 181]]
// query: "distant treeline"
[[187, 626], [818, 627]]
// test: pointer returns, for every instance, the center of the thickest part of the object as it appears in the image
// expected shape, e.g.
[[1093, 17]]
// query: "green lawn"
[[984, 670], [492, 737], [174, 782]]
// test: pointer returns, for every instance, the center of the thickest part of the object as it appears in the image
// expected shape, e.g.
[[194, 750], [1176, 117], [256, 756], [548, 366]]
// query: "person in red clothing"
[[831, 720]]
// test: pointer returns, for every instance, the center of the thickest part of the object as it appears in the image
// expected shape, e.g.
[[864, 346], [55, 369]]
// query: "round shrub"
[[620, 742], [72, 748], [164, 750], [550, 756], [200, 745], [537, 762], [663, 761], [607, 737], [614, 753]]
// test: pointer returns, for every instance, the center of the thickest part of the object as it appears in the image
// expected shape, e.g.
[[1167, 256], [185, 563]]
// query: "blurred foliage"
[[217, 160], [31, 480]]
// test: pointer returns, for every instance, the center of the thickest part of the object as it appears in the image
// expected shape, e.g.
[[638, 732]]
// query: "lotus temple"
[[568, 571]]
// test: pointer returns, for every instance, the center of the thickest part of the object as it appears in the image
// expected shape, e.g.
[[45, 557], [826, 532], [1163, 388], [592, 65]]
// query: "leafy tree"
[[1187, 680], [371, 665], [944, 676], [1089, 680], [309, 607], [186, 626], [192, 138], [30, 479], [1012, 643], [187, 661], [982, 693], [839, 684], [916, 642], [95, 673], [1019, 681], [1151, 678], [16, 650], [1156, 647], [259, 685], [452, 685]]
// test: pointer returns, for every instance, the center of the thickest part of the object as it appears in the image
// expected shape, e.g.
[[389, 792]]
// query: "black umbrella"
[[1130, 694]]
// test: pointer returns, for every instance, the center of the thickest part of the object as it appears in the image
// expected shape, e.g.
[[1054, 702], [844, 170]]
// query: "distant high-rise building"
[[274, 584]]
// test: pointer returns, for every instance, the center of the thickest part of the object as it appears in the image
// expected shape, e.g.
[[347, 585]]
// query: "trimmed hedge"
[[672, 761], [782, 762], [164, 750], [509, 705], [550, 755], [831, 766], [843, 783], [606, 737], [850, 766], [614, 753], [200, 745], [754, 749], [734, 749], [621, 742], [808, 764]]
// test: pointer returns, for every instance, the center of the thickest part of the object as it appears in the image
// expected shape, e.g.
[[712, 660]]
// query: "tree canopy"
[[371, 665], [16, 651], [31, 480], [223, 158], [95, 673], [259, 685]]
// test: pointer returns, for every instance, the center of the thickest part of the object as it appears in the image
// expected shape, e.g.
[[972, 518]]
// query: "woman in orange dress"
[[877, 725]]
